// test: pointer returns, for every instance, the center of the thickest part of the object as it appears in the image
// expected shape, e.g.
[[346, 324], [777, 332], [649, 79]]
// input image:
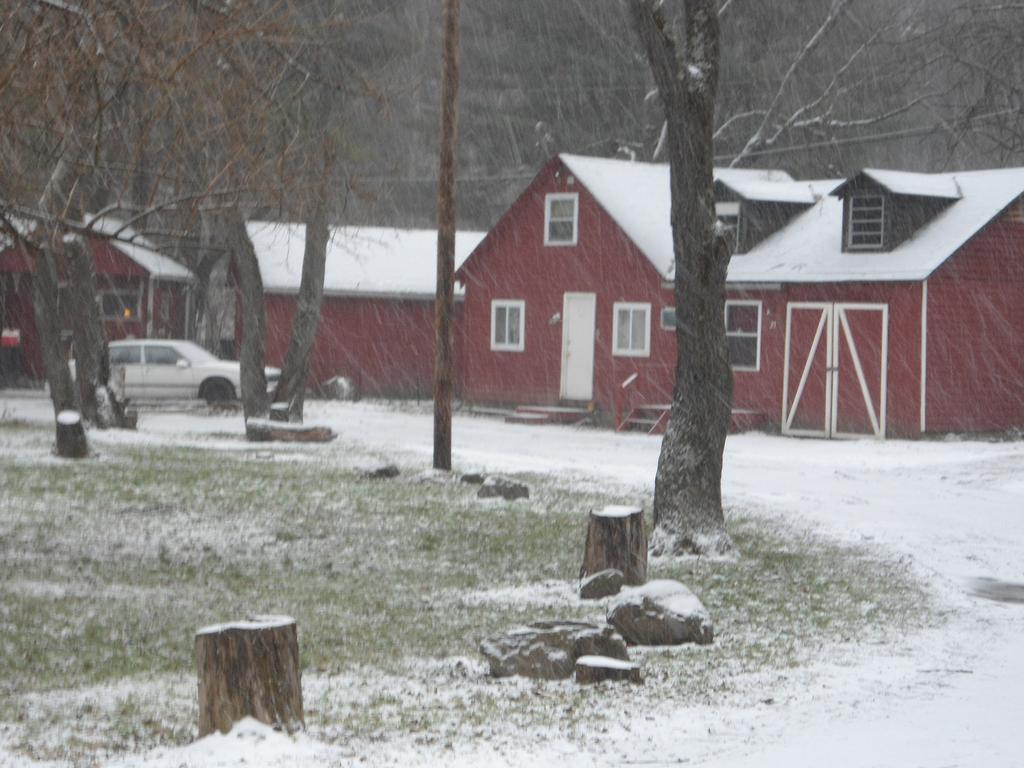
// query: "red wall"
[[514, 263], [385, 345], [976, 333]]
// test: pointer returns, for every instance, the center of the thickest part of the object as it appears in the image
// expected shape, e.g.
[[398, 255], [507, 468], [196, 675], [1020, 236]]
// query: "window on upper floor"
[[743, 334], [865, 225], [508, 317], [631, 329], [561, 218]]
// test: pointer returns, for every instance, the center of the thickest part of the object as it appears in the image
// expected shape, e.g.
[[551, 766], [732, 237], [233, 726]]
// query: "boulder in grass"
[[661, 612], [598, 669], [501, 488], [472, 478], [387, 472], [548, 650], [604, 583]]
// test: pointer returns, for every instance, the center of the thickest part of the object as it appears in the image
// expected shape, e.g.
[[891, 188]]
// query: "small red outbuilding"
[[377, 316], [890, 303], [141, 293]]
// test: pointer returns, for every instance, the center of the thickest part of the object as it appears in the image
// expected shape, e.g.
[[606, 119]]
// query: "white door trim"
[[824, 329], [877, 418], [589, 328], [835, 326]]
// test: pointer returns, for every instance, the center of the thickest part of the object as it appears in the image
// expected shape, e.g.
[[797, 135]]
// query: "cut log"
[[616, 539], [597, 669], [265, 430], [71, 442], [249, 669]]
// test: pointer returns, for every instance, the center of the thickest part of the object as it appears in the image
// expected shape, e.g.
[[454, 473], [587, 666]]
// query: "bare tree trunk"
[[444, 306], [86, 328], [44, 302], [291, 388], [255, 401], [688, 486]]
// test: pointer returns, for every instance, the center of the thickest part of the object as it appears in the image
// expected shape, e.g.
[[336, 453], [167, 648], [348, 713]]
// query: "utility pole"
[[444, 303]]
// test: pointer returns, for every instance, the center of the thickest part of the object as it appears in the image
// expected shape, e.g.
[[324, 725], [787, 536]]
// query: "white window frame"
[[872, 246], [745, 334], [504, 346], [561, 197], [631, 306], [675, 320]]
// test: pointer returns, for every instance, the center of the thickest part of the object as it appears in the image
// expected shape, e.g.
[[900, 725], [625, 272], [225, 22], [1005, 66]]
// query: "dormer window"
[[561, 219], [865, 229]]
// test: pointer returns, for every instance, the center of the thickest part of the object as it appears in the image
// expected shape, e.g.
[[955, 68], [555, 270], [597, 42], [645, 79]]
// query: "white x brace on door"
[[834, 382]]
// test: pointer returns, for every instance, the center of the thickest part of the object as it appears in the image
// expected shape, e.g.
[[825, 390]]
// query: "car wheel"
[[218, 391]]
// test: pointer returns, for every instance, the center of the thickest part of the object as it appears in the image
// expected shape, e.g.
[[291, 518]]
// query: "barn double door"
[[835, 376]]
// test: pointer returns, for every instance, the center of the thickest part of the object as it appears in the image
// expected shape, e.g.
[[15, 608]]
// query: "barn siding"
[[514, 263], [978, 294], [385, 345]]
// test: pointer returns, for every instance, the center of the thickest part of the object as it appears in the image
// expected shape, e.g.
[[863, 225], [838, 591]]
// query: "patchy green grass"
[[107, 566]]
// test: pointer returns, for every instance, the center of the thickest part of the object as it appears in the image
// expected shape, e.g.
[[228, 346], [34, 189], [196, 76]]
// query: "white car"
[[159, 369]]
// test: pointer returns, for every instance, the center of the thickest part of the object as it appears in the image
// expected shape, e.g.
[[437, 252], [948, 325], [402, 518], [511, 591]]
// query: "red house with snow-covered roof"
[[377, 315], [142, 293], [890, 303]]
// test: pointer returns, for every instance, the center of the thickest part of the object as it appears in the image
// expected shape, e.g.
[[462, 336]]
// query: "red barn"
[[377, 316], [141, 292], [886, 304]]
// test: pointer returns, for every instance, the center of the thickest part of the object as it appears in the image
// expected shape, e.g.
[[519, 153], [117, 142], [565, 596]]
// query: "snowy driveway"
[[948, 697]]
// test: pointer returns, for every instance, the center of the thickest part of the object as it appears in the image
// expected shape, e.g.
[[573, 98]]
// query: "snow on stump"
[[602, 584], [71, 442], [249, 669], [279, 412], [548, 650], [499, 487], [598, 669], [661, 612], [616, 539], [268, 430]]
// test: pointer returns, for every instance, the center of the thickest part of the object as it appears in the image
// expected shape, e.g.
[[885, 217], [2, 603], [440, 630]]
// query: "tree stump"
[[279, 412], [71, 442], [597, 669], [616, 539], [249, 669]]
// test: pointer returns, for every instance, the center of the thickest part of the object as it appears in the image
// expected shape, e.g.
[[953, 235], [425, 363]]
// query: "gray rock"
[[661, 613], [499, 487], [472, 478], [602, 584], [548, 650], [386, 472]]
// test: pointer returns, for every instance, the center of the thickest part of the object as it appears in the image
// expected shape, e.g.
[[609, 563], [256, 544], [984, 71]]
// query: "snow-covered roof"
[[809, 248], [360, 260], [140, 250], [941, 185], [799, 192], [637, 197]]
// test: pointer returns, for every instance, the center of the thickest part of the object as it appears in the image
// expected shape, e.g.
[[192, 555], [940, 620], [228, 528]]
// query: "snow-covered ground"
[[949, 697]]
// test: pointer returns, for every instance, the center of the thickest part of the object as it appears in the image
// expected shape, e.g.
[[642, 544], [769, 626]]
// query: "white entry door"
[[578, 316], [834, 382]]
